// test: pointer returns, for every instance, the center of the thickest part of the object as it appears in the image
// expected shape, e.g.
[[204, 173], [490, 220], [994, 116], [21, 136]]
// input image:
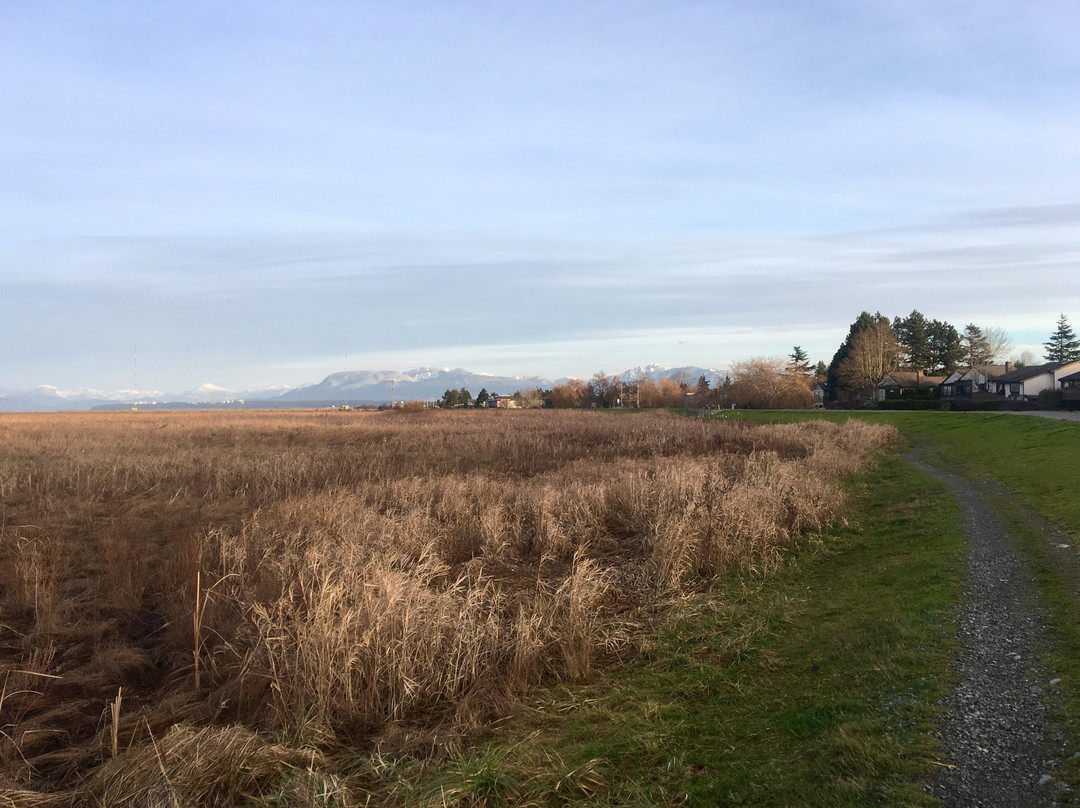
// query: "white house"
[[1030, 381], [967, 382]]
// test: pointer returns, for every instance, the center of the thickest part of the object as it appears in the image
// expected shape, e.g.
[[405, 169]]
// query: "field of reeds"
[[249, 608]]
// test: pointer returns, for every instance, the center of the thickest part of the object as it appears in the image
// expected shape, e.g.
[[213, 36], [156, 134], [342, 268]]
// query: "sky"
[[255, 194]]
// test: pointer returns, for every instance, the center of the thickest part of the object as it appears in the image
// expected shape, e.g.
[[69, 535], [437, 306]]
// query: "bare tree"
[[875, 351], [569, 395], [683, 379], [530, 398], [998, 343], [765, 382]]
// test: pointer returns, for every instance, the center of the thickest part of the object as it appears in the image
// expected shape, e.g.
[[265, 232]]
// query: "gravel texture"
[[994, 730]]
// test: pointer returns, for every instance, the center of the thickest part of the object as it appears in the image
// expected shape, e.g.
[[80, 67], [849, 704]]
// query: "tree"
[[976, 347], [766, 383], [466, 397], [999, 343], [1063, 346], [799, 360], [874, 352], [683, 379], [820, 371], [482, 397], [603, 390], [863, 322], [912, 332], [569, 395], [1024, 359], [655, 394], [451, 398], [944, 348], [530, 398], [702, 392]]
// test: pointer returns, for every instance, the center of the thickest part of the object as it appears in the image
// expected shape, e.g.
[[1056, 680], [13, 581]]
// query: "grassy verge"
[[1035, 460], [815, 686]]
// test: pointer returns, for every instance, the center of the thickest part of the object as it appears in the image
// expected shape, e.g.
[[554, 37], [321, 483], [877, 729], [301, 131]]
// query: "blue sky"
[[539, 188]]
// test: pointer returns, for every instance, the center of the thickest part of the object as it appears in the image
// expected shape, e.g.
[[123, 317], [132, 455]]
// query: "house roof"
[[1072, 377], [982, 373], [1023, 374], [909, 378]]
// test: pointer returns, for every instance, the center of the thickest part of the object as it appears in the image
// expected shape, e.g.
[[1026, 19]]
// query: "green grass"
[[1038, 459], [816, 686]]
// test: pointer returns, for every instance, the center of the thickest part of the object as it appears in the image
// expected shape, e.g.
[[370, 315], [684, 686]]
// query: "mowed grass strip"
[[1037, 462], [818, 685]]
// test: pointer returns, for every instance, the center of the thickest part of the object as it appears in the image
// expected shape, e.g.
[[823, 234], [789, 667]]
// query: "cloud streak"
[[245, 189]]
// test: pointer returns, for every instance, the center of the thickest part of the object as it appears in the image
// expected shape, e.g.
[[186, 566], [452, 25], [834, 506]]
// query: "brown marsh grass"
[[276, 592]]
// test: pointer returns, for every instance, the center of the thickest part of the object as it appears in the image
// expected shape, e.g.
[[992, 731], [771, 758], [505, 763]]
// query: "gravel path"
[[994, 731]]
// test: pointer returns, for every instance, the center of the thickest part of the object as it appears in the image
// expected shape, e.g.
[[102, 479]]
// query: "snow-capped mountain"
[[377, 386], [354, 387], [48, 398], [691, 372]]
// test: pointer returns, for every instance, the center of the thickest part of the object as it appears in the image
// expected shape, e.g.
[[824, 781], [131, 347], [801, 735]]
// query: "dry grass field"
[[242, 608]]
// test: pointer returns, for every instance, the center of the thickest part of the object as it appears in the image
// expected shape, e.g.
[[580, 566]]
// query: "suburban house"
[[1070, 386], [967, 382], [901, 383], [501, 402], [1028, 382]]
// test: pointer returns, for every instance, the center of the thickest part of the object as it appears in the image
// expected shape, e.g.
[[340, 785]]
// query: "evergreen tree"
[[1063, 345], [944, 348], [864, 321], [800, 362], [913, 333], [977, 350]]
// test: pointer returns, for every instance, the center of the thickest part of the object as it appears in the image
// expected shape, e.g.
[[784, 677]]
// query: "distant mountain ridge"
[[357, 387], [424, 384]]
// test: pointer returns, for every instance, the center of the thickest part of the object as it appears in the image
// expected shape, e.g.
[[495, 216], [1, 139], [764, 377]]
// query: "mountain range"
[[355, 387]]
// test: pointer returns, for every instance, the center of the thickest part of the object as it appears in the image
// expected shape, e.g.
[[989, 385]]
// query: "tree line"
[[602, 391], [874, 346]]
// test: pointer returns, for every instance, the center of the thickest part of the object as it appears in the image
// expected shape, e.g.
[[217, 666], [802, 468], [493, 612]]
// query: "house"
[[501, 402], [1027, 383], [820, 389], [965, 383], [900, 383], [1070, 387]]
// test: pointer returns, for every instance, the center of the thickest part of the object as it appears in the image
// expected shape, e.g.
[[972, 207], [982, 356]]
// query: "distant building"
[[900, 383], [1027, 383], [965, 383]]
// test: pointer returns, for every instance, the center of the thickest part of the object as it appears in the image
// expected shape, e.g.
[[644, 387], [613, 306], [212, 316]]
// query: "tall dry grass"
[[347, 578]]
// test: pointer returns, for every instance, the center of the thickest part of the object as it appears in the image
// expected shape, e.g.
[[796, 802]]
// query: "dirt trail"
[[994, 732]]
